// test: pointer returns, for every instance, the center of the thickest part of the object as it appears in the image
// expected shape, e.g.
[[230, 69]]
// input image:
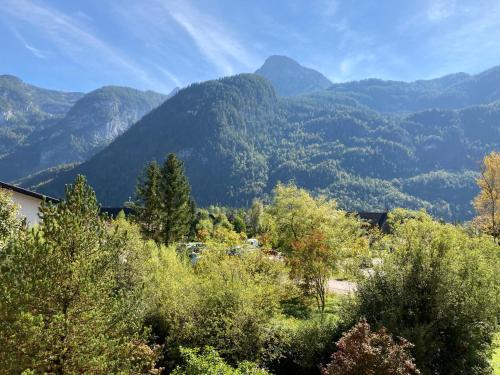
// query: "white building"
[[28, 201]]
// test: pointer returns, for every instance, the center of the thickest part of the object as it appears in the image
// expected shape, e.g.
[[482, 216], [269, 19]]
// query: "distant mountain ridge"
[[370, 144], [25, 108], [289, 78], [452, 91], [93, 121], [238, 139]]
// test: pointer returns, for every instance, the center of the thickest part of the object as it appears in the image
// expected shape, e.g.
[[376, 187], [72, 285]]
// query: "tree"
[[315, 236], [361, 351], [254, 217], [164, 206], [487, 203], [66, 303], [313, 262], [148, 207], [178, 205], [9, 222], [438, 287]]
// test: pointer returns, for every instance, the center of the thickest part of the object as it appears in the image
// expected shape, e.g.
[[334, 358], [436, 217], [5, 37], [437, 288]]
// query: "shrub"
[[438, 287], [361, 351]]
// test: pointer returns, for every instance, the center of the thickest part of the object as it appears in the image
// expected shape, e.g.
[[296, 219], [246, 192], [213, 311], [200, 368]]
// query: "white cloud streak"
[[74, 40], [35, 51], [213, 40]]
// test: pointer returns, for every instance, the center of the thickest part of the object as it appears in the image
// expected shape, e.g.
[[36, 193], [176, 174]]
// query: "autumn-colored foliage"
[[361, 351], [487, 203]]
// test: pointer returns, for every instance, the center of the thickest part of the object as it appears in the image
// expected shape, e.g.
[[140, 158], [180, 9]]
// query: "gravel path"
[[341, 287]]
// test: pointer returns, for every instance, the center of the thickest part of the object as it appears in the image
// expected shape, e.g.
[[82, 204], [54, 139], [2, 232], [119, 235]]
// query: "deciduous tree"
[[487, 203]]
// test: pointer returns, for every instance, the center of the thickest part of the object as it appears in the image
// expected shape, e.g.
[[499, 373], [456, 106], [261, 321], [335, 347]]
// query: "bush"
[[438, 287], [361, 351], [210, 363], [227, 302]]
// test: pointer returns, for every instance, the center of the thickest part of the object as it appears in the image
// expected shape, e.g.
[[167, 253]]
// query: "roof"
[[30, 193], [375, 219]]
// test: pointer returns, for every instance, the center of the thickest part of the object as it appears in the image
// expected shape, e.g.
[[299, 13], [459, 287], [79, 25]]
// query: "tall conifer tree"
[[178, 205], [149, 204], [164, 207]]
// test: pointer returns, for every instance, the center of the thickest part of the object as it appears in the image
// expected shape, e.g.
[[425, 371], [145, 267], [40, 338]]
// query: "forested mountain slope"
[[26, 108], [449, 92], [238, 139], [91, 124]]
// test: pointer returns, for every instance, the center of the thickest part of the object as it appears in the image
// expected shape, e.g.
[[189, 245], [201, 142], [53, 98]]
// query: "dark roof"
[[30, 193], [375, 219]]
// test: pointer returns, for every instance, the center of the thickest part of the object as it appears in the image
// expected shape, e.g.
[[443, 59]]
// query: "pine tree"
[[178, 207], [149, 205], [63, 307]]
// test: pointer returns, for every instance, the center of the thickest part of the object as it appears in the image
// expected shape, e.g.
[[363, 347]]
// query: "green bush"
[[439, 288]]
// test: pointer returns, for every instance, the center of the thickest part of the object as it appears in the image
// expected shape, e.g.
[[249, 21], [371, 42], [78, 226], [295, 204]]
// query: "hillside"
[[91, 124], [289, 78], [26, 108], [453, 91], [238, 140]]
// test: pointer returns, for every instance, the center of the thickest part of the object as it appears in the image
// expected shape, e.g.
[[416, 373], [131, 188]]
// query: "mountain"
[[91, 124], [238, 139], [25, 108], [289, 78], [453, 91]]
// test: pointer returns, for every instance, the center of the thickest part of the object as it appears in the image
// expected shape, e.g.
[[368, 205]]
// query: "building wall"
[[28, 207]]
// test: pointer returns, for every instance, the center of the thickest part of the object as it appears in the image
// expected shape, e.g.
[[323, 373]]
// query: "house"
[[28, 201]]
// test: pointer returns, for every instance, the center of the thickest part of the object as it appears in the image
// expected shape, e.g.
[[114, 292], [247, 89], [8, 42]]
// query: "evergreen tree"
[[164, 207], [149, 205], [63, 306], [178, 207], [255, 214]]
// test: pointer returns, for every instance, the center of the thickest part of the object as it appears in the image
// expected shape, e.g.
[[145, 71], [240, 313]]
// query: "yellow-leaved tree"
[[487, 203]]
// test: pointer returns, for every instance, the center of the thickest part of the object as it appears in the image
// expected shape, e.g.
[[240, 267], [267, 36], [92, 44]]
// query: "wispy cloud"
[[73, 39], [213, 40], [35, 51]]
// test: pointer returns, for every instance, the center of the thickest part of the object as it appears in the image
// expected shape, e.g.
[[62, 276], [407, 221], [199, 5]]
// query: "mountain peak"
[[289, 78]]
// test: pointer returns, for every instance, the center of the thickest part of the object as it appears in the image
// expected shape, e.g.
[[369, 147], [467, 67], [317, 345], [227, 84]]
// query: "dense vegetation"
[[86, 293], [238, 140]]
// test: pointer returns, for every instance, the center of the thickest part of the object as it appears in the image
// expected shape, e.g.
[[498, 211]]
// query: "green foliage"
[[227, 302], [69, 294], [210, 363], [10, 224], [164, 206], [437, 286], [238, 140], [314, 235]]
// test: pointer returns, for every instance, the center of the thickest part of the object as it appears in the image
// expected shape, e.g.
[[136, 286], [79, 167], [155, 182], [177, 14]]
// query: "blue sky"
[[160, 44]]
